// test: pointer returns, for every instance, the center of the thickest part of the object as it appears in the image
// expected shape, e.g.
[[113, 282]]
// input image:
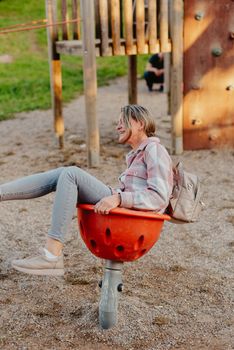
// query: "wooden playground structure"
[[198, 37], [197, 34], [112, 28]]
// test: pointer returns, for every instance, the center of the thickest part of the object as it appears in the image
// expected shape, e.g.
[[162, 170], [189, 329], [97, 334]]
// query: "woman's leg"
[[32, 186], [74, 186], [150, 78]]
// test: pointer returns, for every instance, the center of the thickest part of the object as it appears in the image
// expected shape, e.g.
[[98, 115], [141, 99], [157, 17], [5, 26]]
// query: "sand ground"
[[178, 296]]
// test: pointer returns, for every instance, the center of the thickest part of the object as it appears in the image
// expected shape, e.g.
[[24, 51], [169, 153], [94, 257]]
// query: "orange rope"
[[38, 27], [23, 24]]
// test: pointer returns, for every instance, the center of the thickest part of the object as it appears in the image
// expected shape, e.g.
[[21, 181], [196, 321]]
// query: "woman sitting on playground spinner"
[[146, 184]]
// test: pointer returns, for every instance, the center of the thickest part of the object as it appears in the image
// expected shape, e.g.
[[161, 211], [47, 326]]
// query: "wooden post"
[[115, 26], [55, 71], [128, 29], [176, 89], [152, 18], [90, 81], [103, 12], [140, 26], [167, 60], [76, 25], [132, 79], [164, 26], [64, 18], [170, 18]]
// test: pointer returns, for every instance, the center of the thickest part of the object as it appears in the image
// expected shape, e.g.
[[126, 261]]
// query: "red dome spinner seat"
[[122, 235]]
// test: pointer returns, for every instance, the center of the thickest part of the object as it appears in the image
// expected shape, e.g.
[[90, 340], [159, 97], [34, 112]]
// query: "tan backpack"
[[185, 203]]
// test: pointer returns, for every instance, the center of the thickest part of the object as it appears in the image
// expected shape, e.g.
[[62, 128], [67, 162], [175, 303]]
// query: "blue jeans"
[[72, 185]]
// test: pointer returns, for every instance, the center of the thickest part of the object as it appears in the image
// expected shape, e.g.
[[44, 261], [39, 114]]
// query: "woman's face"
[[123, 131], [129, 136]]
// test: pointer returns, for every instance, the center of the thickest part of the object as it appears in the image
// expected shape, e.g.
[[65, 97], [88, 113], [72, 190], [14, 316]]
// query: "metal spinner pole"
[[111, 285]]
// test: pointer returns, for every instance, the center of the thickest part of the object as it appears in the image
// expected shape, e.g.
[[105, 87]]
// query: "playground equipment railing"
[[122, 27]]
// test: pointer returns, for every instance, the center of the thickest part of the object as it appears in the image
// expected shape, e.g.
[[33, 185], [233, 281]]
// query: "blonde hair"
[[139, 114]]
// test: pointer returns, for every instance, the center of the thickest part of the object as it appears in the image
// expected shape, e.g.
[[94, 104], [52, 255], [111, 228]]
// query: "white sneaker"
[[40, 265]]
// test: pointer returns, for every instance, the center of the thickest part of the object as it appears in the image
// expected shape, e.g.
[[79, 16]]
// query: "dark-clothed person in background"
[[154, 72]]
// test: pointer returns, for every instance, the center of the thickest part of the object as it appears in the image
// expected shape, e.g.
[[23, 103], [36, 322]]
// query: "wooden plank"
[[130, 49], [103, 13], [115, 26], [152, 27], [90, 81], [164, 26], [132, 79], [64, 18], [176, 96], [75, 15], [140, 27], [55, 71], [74, 47]]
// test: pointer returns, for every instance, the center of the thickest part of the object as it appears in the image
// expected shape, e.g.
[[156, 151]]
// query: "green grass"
[[24, 83]]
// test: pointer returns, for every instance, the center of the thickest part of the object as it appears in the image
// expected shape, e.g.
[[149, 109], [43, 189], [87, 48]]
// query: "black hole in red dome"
[[93, 243], [120, 248], [108, 232]]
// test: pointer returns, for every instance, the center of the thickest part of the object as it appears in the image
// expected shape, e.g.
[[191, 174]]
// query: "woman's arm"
[[156, 71], [107, 203]]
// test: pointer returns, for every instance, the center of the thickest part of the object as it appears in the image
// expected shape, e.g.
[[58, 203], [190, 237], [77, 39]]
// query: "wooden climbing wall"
[[208, 73]]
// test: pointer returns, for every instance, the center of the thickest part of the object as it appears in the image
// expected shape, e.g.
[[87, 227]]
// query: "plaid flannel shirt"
[[147, 182]]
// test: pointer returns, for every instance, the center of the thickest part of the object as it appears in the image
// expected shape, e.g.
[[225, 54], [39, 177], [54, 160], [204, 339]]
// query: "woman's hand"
[[107, 203]]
